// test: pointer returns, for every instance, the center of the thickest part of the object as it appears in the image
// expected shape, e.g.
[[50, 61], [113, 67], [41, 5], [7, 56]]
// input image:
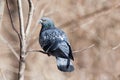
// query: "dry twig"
[[116, 47], [13, 27], [37, 51], [10, 46], [77, 51], [31, 10], [36, 24]]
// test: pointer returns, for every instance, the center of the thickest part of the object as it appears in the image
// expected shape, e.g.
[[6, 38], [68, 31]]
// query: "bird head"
[[46, 22]]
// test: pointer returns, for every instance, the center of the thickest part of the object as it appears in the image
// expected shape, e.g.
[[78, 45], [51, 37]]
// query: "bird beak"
[[40, 21]]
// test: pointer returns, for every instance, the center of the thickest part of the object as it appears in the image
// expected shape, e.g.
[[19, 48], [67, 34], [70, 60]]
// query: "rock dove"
[[54, 42]]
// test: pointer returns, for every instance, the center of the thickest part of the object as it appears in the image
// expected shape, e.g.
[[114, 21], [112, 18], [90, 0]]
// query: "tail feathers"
[[64, 64]]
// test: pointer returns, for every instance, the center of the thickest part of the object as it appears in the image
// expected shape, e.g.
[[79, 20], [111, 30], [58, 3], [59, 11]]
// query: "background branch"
[[90, 16], [41, 14], [3, 75], [10, 46], [78, 51], [4, 40], [116, 47], [36, 24]]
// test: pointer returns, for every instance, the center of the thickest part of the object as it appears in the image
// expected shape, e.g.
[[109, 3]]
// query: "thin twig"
[[10, 46], [13, 27], [36, 24], [116, 47], [20, 12], [37, 51], [78, 51], [31, 10], [40, 52]]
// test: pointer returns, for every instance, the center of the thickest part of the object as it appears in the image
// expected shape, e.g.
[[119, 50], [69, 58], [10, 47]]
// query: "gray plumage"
[[54, 42]]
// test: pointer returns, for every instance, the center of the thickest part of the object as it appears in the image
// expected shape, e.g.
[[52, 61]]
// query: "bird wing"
[[63, 35], [70, 52]]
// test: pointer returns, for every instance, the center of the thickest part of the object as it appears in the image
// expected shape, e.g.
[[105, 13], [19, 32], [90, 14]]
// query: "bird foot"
[[48, 54]]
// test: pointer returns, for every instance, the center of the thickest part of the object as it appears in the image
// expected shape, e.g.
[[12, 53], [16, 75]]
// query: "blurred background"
[[93, 28]]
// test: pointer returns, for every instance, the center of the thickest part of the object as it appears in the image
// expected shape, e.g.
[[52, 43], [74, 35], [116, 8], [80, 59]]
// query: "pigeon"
[[55, 42]]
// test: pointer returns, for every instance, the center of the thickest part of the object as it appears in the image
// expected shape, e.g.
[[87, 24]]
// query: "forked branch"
[[24, 34]]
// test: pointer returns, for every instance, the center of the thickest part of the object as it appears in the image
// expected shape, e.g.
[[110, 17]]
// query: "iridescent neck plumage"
[[47, 26]]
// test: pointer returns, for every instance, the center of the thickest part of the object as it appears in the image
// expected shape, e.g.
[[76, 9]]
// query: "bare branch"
[[114, 48], [13, 27], [37, 51], [40, 52], [10, 46], [23, 44], [77, 51], [31, 10], [20, 12]]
